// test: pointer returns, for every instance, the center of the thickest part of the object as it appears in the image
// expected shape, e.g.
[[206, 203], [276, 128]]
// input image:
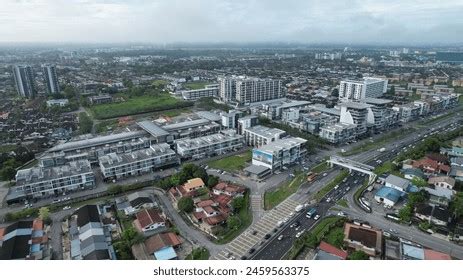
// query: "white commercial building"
[[216, 144], [259, 135], [196, 94], [43, 181], [357, 114], [338, 133], [279, 153], [116, 166], [357, 90]]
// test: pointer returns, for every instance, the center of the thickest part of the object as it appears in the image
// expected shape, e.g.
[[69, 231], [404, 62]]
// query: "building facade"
[[357, 90], [259, 135]]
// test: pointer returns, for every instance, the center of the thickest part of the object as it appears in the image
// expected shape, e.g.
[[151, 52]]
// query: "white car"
[[66, 207], [280, 237], [342, 214], [316, 217], [300, 233]]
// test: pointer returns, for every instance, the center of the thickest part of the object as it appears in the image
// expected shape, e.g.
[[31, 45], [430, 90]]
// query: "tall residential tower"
[[24, 80], [51, 79]]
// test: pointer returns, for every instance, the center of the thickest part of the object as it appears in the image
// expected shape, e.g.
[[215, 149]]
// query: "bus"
[[311, 176]]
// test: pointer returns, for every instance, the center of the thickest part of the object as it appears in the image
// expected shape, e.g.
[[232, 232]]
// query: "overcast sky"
[[165, 21]]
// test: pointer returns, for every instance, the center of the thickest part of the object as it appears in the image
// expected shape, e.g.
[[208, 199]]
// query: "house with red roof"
[[327, 251], [431, 166], [149, 220]]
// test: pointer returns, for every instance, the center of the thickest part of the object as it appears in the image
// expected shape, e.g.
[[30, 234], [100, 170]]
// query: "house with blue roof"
[[389, 196]]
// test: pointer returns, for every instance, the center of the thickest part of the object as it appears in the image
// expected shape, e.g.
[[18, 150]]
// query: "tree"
[[44, 214], [419, 182], [238, 203], [185, 204], [358, 255], [212, 181], [233, 223], [335, 92], [7, 173], [457, 205], [132, 237], [406, 212]]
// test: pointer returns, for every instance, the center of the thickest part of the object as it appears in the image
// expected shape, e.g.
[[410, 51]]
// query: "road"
[[276, 249]]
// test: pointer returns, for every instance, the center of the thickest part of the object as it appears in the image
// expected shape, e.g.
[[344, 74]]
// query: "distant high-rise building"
[[24, 80], [245, 90], [358, 90], [51, 79]]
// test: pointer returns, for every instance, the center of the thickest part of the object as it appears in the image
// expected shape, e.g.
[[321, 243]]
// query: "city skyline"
[[160, 22]]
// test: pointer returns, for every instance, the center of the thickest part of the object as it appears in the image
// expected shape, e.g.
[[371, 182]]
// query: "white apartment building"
[[116, 166], [279, 153], [338, 133], [43, 181], [357, 90], [259, 135], [216, 144], [196, 94], [245, 90], [357, 114]]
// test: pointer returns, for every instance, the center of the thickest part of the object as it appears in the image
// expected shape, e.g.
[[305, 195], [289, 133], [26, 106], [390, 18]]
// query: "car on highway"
[[336, 187], [66, 207], [300, 233], [295, 224], [342, 214], [316, 217], [281, 237], [325, 174], [328, 199]]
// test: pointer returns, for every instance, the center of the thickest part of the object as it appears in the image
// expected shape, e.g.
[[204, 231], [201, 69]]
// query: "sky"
[[239, 21]]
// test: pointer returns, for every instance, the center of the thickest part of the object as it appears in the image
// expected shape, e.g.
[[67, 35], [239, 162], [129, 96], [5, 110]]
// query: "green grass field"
[[273, 198], [7, 148], [198, 254], [232, 163], [195, 85], [138, 105]]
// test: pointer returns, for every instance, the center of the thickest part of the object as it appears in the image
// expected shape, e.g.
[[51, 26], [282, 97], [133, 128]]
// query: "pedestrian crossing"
[[254, 235]]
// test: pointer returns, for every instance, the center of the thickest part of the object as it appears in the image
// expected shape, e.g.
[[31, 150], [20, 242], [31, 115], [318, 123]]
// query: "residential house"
[[430, 166], [442, 182], [149, 220], [433, 214], [159, 246], [24, 240], [363, 238], [327, 251], [189, 189], [228, 189]]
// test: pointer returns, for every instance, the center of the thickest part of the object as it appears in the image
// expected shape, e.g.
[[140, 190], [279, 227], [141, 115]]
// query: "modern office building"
[[338, 133], [207, 146], [40, 181], [24, 81], [383, 115], [191, 128], [247, 122], [50, 79], [356, 113], [280, 153], [116, 166], [230, 119], [196, 94], [246, 90], [259, 135], [357, 90]]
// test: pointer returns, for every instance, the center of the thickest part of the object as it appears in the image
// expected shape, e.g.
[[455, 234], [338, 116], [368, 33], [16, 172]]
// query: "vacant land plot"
[[138, 105], [195, 85], [232, 163]]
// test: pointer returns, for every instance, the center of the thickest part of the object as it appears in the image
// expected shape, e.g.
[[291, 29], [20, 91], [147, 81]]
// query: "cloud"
[[163, 21]]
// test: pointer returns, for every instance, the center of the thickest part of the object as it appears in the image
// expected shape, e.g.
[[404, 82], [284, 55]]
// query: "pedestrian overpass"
[[353, 165]]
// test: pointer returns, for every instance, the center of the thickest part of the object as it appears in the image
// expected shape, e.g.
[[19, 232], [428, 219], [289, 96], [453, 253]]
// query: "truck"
[[299, 208], [382, 150]]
